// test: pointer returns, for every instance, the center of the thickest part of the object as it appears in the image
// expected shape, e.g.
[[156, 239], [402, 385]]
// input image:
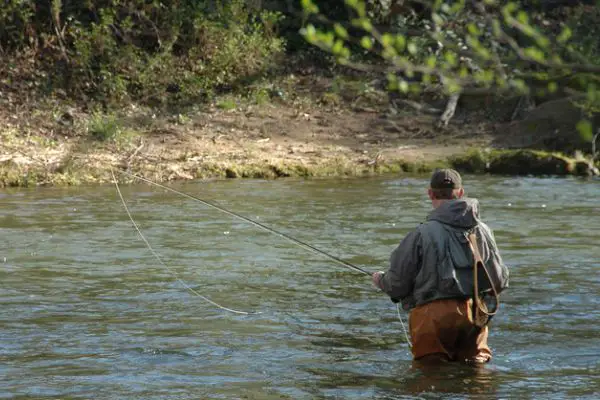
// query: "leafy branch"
[[465, 46], [480, 45]]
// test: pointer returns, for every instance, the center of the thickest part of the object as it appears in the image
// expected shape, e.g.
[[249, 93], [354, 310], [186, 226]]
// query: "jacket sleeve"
[[405, 263]]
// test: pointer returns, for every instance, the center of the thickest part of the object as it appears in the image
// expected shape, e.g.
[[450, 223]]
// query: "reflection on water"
[[86, 311]]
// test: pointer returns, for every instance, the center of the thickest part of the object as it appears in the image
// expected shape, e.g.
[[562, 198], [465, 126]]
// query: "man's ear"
[[461, 193], [430, 194]]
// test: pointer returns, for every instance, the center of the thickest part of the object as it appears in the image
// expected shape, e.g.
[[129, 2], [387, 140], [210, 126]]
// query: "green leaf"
[[400, 43], [412, 48], [535, 54], [437, 19], [310, 7], [473, 29], [403, 86], [309, 33], [431, 61], [392, 81], [457, 6], [359, 6], [337, 47], [484, 76], [565, 35], [484, 53], [327, 38], [389, 52], [496, 28], [543, 41], [366, 42], [366, 24], [520, 85], [453, 87], [592, 93], [552, 87], [556, 59], [510, 7], [387, 40], [345, 53], [585, 130], [414, 88], [361, 9], [450, 57], [340, 31], [522, 17]]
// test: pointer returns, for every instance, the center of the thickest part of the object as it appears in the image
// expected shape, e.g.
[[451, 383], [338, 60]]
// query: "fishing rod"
[[255, 223], [300, 243]]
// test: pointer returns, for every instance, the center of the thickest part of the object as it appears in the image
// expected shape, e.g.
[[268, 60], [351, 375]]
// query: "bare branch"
[[594, 153]]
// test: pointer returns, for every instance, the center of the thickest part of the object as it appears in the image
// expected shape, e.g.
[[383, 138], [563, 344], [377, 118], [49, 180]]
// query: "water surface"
[[86, 310]]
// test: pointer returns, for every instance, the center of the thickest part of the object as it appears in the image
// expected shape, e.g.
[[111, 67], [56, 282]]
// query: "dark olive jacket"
[[435, 261]]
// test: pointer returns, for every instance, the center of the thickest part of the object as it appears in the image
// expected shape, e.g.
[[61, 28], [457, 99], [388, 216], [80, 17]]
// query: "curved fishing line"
[[300, 243], [175, 274], [403, 327]]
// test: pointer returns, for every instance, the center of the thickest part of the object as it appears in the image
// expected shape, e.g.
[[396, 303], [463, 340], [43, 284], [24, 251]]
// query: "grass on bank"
[[476, 161]]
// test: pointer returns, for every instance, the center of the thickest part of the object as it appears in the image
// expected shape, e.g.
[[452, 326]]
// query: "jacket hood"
[[462, 213]]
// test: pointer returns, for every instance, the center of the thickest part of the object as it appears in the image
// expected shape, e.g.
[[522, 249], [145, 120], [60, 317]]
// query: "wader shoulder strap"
[[481, 314]]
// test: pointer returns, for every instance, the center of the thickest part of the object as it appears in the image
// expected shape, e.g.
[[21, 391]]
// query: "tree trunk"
[[449, 111]]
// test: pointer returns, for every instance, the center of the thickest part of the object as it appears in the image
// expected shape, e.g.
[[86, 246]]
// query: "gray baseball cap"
[[446, 178]]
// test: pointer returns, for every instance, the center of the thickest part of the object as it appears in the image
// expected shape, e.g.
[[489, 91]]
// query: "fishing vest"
[[447, 268]]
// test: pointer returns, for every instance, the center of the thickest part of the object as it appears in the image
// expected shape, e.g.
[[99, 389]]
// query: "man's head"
[[445, 184]]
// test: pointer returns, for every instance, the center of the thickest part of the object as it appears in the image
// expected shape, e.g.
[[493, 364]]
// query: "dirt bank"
[[253, 141], [326, 135]]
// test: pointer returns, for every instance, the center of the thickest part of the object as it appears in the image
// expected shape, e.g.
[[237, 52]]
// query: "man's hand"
[[377, 279]]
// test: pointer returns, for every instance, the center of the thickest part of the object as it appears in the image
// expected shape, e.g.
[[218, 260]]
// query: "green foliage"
[[227, 104], [458, 45], [104, 127], [117, 51], [585, 130]]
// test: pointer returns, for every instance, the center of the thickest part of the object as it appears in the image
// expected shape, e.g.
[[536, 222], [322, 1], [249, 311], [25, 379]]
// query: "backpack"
[[463, 272]]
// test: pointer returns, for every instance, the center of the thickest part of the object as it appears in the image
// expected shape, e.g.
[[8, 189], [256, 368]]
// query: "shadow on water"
[[408, 379], [350, 352]]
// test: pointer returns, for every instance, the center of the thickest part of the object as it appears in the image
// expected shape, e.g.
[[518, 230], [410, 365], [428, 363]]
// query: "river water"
[[86, 311]]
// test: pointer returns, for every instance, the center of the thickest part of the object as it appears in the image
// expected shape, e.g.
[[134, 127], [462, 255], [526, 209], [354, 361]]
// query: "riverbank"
[[247, 96], [318, 133]]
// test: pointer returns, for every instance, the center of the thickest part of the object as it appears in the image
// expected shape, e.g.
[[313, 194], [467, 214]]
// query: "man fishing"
[[431, 273]]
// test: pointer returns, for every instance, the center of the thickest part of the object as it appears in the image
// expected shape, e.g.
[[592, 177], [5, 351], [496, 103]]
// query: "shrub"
[[104, 127], [116, 51]]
